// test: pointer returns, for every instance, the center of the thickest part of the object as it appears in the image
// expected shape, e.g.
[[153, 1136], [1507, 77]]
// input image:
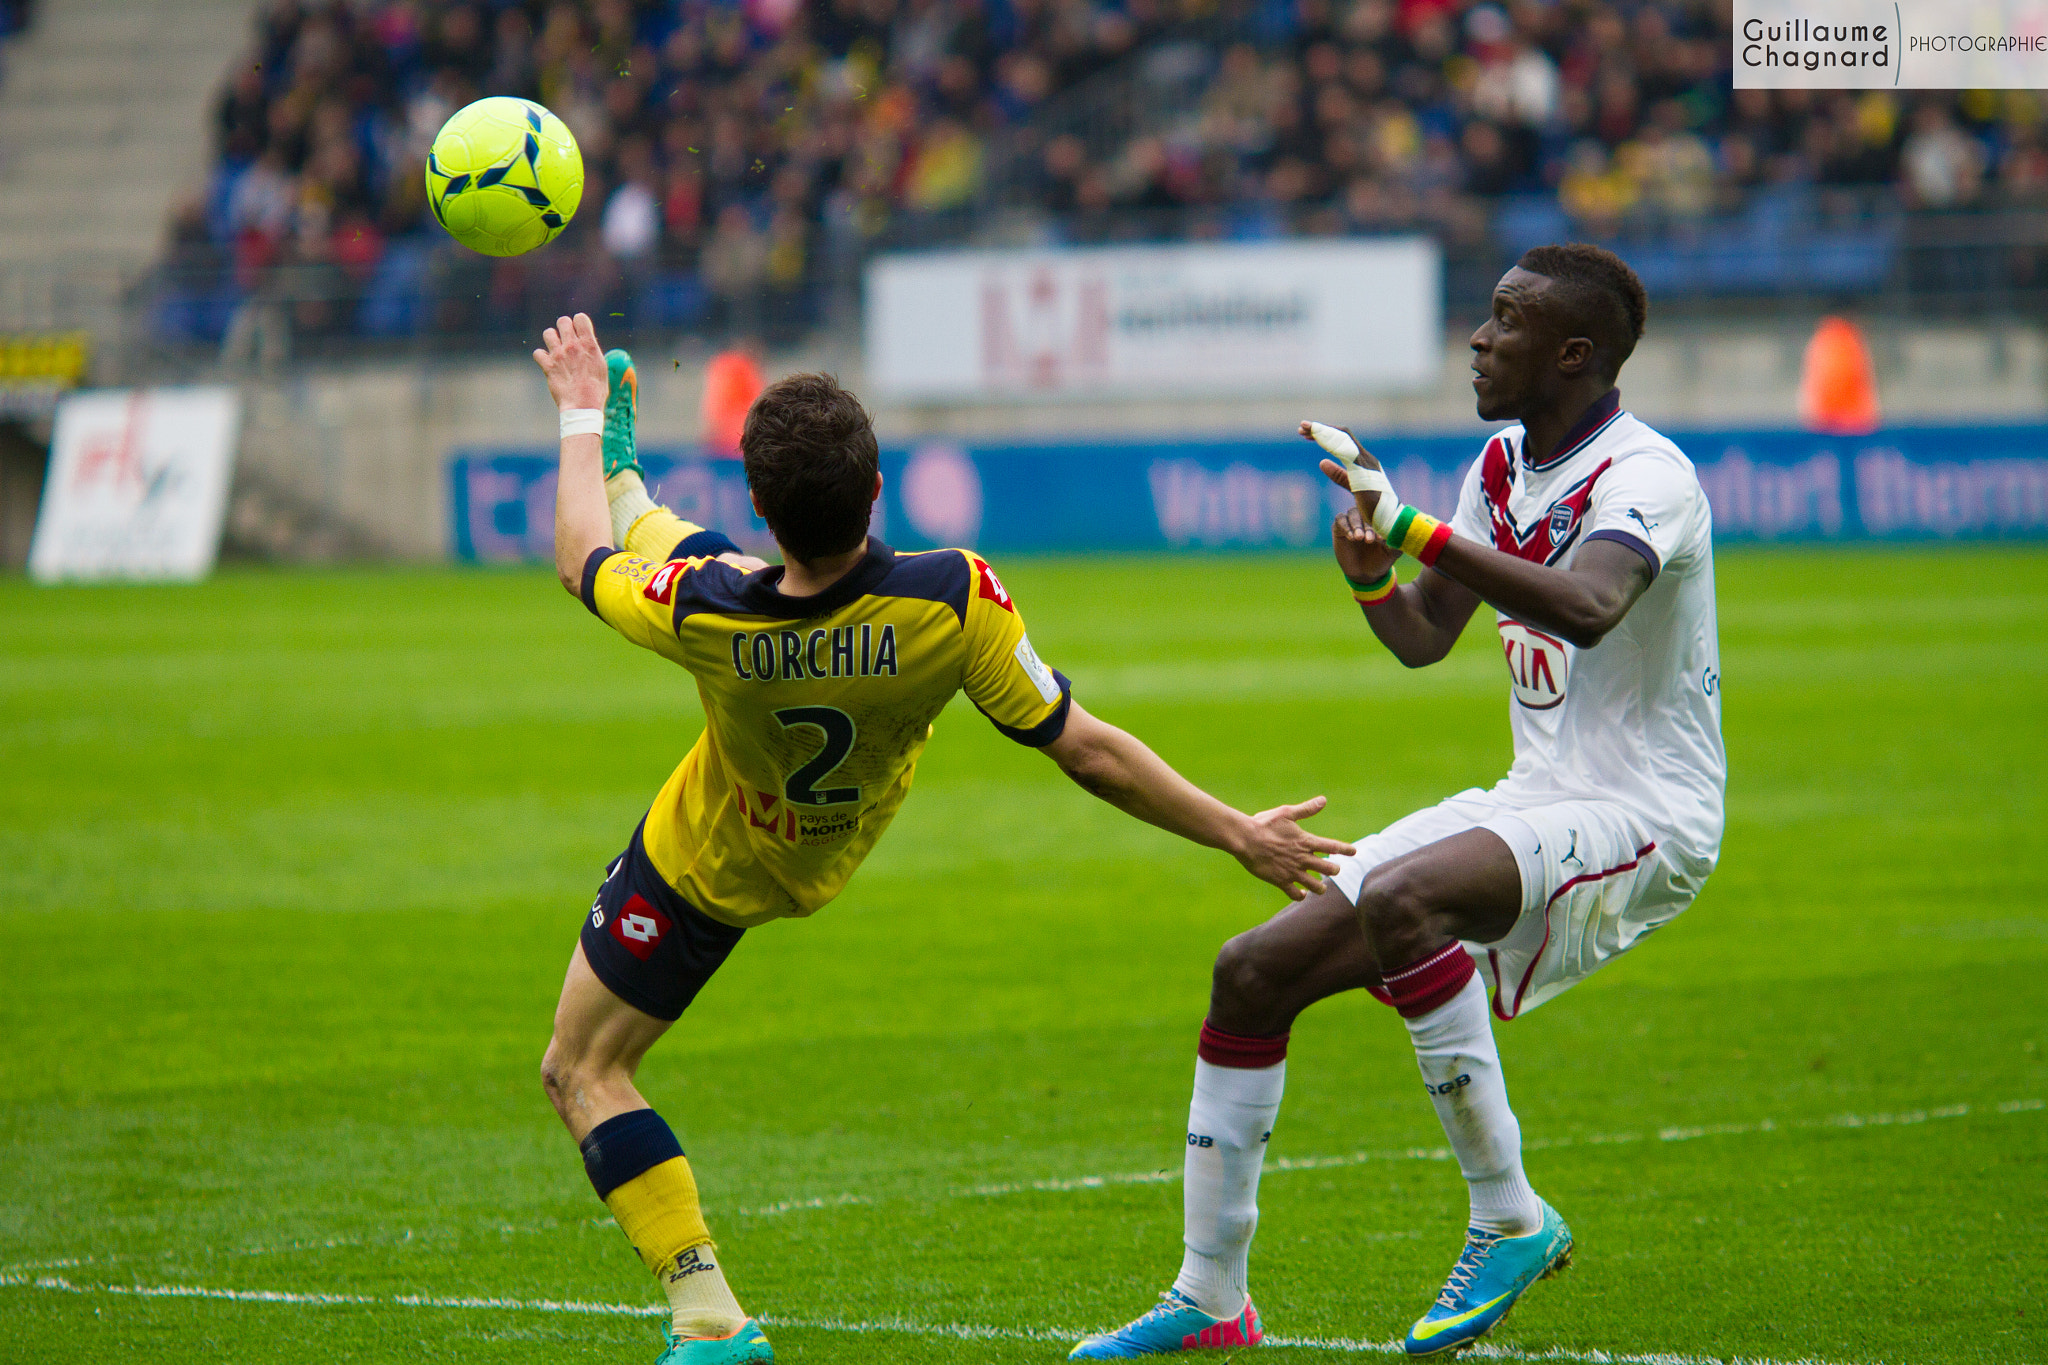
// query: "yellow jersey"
[[815, 709]]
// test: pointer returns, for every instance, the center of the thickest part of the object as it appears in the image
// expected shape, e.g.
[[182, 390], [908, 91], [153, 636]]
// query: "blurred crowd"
[[1378, 114], [727, 144], [737, 151]]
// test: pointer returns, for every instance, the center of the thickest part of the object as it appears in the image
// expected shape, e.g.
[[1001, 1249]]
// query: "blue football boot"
[[1486, 1282], [621, 406], [1175, 1325], [748, 1346]]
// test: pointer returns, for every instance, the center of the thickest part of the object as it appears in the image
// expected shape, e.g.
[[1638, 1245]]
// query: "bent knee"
[[566, 1072], [1393, 901], [1248, 972]]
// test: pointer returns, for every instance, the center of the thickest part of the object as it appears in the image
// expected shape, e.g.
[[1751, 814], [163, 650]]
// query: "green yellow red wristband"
[[1418, 534], [1379, 590]]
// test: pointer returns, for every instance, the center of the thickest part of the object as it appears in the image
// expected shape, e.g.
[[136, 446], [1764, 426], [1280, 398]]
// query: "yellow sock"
[[656, 532], [659, 1214], [639, 523]]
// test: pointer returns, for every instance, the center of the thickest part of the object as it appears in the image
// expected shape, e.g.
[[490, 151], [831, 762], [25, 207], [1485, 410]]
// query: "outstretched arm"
[[577, 378], [1117, 767]]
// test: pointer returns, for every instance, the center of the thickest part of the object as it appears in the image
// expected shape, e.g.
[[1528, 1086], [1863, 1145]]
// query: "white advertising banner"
[[1239, 319], [1891, 44], [138, 484]]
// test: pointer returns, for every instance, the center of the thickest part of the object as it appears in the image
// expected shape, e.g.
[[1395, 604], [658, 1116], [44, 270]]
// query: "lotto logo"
[[695, 1261], [991, 586], [638, 927], [662, 587]]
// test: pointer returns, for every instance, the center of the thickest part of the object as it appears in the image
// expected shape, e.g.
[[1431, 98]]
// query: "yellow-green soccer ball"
[[504, 176]]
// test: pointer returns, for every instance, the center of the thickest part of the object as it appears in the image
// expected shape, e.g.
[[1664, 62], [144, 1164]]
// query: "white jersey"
[[1636, 719]]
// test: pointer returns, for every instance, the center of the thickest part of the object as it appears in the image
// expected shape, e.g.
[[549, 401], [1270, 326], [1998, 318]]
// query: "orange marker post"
[[1838, 388]]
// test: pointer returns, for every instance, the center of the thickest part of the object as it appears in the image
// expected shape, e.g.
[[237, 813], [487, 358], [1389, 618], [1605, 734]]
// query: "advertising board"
[[1906, 484], [138, 484], [1361, 315]]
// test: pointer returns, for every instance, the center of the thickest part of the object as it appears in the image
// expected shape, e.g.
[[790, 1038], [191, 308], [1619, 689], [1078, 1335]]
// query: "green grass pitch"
[[290, 865]]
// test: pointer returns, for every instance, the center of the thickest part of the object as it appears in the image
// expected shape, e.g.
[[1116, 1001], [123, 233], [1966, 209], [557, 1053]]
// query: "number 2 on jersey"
[[800, 788]]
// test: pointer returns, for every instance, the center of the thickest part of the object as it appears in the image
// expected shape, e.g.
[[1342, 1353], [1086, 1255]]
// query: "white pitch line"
[[955, 1331], [1165, 1176]]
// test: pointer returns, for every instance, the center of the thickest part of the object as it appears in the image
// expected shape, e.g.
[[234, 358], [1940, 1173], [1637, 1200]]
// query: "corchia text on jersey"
[[794, 655]]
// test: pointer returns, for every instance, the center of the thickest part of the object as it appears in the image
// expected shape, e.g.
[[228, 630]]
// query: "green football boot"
[[748, 1346], [621, 405]]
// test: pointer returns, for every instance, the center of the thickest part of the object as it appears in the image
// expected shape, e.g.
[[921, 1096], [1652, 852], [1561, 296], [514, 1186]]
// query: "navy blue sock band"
[[626, 1146], [706, 544]]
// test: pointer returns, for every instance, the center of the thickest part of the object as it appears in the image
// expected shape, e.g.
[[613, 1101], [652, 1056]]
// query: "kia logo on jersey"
[[1537, 665], [662, 587], [991, 586], [639, 926]]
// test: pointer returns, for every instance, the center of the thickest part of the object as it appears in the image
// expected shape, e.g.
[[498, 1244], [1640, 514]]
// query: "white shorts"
[[1595, 879]]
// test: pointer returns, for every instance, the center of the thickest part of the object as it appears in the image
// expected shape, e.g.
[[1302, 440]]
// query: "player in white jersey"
[[1590, 537]]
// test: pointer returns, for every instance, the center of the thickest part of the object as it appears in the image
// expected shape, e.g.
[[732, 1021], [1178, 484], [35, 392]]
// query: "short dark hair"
[[1598, 297], [810, 455]]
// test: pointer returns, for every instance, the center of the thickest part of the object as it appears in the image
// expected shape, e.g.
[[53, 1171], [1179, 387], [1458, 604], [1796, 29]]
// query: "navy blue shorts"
[[651, 948]]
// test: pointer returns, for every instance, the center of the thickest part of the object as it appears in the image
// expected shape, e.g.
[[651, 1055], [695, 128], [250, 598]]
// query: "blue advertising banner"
[[1910, 483]]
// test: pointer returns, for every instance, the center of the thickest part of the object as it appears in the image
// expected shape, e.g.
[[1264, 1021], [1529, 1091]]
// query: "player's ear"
[[877, 495], [1575, 356]]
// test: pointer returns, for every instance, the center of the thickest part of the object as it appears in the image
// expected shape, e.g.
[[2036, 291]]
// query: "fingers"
[[586, 329], [1304, 432], [1335, 473], [1324, 866], [1304, 810], [1338, 846], [540, 358], [553, 339]]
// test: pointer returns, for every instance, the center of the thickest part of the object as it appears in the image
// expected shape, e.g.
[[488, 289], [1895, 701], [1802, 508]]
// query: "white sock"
[[700, 1302], [1461, 1066], [1229, 1120], [629, 500]]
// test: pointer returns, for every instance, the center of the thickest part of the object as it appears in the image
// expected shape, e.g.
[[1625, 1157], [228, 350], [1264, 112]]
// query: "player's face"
[[1513, 351]]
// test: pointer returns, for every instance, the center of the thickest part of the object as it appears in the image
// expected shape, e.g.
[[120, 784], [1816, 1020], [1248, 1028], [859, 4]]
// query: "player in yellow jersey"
[[820, 679]]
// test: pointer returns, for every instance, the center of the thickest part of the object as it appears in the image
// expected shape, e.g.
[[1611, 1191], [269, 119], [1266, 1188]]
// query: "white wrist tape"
[[582, 422], [1362, 478]]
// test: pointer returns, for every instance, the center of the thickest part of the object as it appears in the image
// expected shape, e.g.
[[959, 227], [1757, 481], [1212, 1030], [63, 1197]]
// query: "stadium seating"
[[744, 158]]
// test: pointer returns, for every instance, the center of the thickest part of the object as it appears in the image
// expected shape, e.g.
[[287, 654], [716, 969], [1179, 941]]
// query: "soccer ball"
[[504, 176]]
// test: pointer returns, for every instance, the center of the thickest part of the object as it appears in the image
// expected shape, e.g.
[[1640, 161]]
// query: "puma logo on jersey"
[[1637, 518]]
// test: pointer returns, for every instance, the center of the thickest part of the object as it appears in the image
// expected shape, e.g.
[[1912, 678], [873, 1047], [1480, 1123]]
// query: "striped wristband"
[[1377, 591], [1418, 534]]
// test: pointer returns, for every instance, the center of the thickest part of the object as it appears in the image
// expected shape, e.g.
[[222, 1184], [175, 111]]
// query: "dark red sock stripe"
[[1234, 1049], [1429, 984]]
